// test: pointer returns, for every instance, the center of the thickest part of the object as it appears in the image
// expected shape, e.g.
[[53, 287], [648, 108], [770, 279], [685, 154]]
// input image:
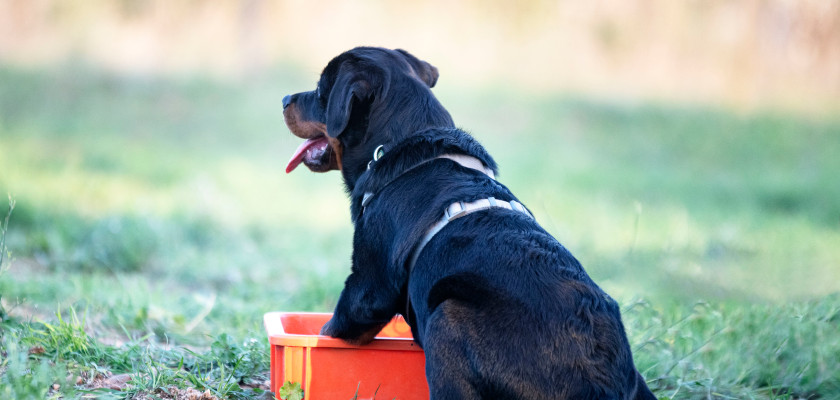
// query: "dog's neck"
[[388, 164], [464, 160]]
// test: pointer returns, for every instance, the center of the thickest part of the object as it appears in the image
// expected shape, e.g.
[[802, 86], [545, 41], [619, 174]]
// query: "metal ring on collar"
[[378, 152]]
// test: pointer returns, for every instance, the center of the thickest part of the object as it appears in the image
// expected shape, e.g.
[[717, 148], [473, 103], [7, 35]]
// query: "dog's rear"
[[516, 317]]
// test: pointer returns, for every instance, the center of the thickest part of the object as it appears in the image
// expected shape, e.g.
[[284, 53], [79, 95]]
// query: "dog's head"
[[365, 97]]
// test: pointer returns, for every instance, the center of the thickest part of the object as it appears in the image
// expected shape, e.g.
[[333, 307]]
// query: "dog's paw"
[[366, 337], [327, 329]]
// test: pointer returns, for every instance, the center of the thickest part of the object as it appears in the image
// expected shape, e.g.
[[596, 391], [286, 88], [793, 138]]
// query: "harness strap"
[[456, 210], [470, 162]]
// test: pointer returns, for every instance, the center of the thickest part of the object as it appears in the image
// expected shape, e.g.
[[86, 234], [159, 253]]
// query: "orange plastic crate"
[[392, 366]]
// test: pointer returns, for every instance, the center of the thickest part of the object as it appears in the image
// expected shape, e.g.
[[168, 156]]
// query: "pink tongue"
[[306, 150]]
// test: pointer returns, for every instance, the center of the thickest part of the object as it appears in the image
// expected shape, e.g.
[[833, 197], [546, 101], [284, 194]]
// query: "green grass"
[[154, 226]]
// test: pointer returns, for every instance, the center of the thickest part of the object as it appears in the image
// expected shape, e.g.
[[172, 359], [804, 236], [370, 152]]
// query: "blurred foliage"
[[775, 53], [723, 351]]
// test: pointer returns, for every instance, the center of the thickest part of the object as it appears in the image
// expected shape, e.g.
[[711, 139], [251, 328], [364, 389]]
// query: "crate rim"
[[278, 336]]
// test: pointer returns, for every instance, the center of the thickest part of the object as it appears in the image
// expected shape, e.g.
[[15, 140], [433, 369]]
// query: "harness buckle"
[[517, 206], [450, 216]]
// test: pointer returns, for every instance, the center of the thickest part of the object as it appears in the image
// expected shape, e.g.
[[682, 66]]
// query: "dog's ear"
[[427, 72], [351, 88]]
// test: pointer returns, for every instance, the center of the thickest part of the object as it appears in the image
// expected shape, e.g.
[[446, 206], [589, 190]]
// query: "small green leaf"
[[290, 391]]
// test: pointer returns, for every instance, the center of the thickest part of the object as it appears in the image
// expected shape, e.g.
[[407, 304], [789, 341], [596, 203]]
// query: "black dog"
[[502, 310]]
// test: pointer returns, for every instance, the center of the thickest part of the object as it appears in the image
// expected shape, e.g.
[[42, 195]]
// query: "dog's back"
[[511, 314]]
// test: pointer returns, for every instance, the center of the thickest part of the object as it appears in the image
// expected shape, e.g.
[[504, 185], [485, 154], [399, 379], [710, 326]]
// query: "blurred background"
[[747, 53], [683, 150]]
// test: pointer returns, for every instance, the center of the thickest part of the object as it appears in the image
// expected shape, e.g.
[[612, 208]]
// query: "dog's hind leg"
[[448, 369]]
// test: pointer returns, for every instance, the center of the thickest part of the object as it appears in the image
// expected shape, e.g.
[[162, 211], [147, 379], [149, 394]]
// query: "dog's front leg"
[[374, 291], [366, 304]]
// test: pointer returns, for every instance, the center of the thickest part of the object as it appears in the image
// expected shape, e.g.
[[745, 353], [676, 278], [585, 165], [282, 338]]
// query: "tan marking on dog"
[[302, 128], [337, 149]]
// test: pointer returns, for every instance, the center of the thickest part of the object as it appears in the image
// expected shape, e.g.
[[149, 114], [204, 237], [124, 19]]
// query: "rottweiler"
[[500, 307]]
